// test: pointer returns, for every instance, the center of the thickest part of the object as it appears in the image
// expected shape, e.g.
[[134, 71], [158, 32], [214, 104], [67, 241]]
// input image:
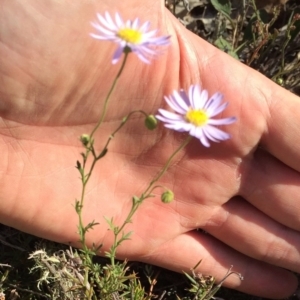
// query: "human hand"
[[243, 192]]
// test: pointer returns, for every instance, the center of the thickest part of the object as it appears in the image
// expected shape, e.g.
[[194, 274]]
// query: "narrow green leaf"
[[225, 46], [110, 223], [190, 278], [222, 6]]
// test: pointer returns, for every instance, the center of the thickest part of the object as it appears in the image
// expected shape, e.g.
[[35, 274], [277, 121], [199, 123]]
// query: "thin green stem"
[[109, 94], [90, 149], [104, 150], [145, 195], [125, 119], [164, 169], [85, 177]]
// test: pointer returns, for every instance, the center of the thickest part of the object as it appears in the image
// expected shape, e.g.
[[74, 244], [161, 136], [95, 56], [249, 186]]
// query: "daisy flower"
[[194, 113], [130, 36]]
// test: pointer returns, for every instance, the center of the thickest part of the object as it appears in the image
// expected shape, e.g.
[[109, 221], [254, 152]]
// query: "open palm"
[[244, 192]]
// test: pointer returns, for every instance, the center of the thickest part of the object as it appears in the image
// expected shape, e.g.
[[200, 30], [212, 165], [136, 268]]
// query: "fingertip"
[[259, 278], [271, 282]]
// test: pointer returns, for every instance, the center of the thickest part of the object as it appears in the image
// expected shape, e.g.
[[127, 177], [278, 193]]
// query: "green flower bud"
[[85, 139], [167, 196], [280, 81], [151, 122]]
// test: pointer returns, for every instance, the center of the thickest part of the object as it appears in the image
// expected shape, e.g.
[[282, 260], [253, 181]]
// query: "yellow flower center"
[[130, 35], [198, 117]]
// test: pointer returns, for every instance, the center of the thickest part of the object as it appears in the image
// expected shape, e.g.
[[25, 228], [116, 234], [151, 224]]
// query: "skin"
[[244, 192]]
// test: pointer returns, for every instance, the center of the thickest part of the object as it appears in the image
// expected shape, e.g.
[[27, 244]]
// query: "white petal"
[[180, 101], [193, 131], [224, 121], [170, 115], [181, 127], [203, 99], [142, 57], [117, 55], [173, 104], [122, 43], [214, 101], [119, 21], [156, 41], [163, 119], [145, 49], [98, 37], [185, 97], [209, 136], [205, 141], [145, 26], [135, 24], [215, 111], [217, 133], [110, 21], [187, 126], [195, 96], [191, 96], [105, 21], [128, 24], [150, 35], [103, 30], [199, 134]]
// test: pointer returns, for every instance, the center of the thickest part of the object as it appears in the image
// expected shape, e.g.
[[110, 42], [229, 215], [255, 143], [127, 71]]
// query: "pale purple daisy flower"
[[195, 113], [130, 36]]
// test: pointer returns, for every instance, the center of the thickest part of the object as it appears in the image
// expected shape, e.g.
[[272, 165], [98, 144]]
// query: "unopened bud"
[[151, 122], [280, 81], [85, 139], [167, 196]]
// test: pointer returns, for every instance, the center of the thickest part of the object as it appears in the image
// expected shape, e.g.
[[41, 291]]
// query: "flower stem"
[[167, 164], [90, 149], [137, 202], [109, 94]]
